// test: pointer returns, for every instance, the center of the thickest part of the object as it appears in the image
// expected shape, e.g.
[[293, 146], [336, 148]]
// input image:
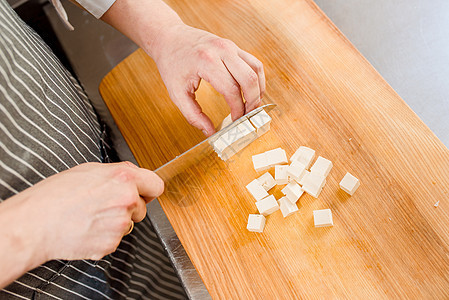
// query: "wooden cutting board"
[[388, 240]]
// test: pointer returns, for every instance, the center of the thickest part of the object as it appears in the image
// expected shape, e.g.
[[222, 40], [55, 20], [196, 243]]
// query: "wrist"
[[22, 238], [143, 21], [156, 44]]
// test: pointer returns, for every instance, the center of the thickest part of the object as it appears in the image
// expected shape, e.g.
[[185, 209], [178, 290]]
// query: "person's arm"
[[184, 55], [81, 213]]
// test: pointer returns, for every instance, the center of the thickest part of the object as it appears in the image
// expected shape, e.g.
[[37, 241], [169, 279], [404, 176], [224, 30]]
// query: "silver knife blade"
[[204, 148]]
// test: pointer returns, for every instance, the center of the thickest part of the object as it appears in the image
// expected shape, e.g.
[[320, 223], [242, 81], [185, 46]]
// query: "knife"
[[202, 150]]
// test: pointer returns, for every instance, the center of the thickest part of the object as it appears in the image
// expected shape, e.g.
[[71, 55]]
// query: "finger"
[[193, 113], [149, 184], [140, 211], [247, 78], [222, 81], [257, 66]]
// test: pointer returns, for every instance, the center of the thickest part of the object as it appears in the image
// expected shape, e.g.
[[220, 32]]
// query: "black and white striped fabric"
[[48, 125]]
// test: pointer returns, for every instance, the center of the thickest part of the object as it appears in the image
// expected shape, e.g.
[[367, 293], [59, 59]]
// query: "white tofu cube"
[[276, 156], [220, 145], [322, 218], [292, 191], [232, 135], [267, 181], [313, 185], [304, 155], [246, 135], [349, 184], [287, 207], [261, 121], [246, 128], [296, 170], [226, 121], [321, 166], [235, 139], [256, 189], [267, 205], [304, 177], [280, 174], [260, 162], [256, 223]]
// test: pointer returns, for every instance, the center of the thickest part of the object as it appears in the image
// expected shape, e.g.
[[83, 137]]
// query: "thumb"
[[193, 113]]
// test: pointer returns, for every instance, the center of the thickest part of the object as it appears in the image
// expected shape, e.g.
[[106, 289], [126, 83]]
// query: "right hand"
[[83, 212]]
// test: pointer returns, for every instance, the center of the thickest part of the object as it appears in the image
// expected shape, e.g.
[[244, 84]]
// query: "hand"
[[83, 213], [185, 55]]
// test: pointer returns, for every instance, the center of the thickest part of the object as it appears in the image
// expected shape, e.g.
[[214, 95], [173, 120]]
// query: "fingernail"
[[204, 131]]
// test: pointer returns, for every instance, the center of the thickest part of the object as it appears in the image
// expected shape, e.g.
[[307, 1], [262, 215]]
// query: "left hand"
[[185, 55]]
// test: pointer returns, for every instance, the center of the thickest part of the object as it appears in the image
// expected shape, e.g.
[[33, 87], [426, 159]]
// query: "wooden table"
[[388, 240]]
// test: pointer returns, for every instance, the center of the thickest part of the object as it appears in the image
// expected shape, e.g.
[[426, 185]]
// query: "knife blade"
[[204, 149]]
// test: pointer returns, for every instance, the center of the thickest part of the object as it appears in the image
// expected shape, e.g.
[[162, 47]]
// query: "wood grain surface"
[[388, 240]]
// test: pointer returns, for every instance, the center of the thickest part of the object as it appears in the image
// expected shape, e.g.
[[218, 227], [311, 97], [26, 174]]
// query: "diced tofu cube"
[[226, 121], [292, 191], [246, 128], [304, 155], [260, 162], [296, 170], [349, 184], [304, 177], [322, 218], [267, 181], [276, 156], [232, 135], [287, 207], [261, 121], [247, 136], [220, 145], [321, 166], [314, 184], [256, 223], [241, 135], [256, 189], [267, 205], [280, 174], [235, 139]]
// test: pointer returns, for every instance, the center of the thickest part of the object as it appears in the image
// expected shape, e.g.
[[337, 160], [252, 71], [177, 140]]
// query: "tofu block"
[[220, 145], [280, 174], [287, 207], [232, 135], [247, 135], [293, 191], [276, 156], [304, 155], [261, 121], [313, 184], [304, 177], [322, 166], [226, 121], [349, 184], [267, 205], [246, 128], [256, 189], [267, 181], [260, 162], [296, 170], [322, 218], [256, 223], [239, 137], [235, 139]]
